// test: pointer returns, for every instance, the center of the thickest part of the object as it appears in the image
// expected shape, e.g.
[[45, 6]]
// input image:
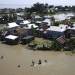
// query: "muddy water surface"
[[58, 63]]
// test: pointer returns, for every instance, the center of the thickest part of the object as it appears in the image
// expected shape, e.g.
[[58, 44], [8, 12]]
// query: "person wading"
[[33, 62]]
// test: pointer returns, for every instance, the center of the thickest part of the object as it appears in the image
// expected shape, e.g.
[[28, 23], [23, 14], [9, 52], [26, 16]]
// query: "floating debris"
[[19, 66], [1, 57]]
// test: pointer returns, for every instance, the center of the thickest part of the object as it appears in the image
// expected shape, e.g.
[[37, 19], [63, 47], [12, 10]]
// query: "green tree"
[[56, 23], [14, 17], [56, 46], [6, 17], [18, 33], [71, 42], [32, 31], [39, 7], [11, 18], [27, 15]]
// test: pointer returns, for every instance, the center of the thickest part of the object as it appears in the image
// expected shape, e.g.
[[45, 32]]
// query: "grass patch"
[[41, 40]]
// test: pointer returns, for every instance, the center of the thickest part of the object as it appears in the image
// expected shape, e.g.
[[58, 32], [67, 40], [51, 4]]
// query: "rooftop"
[[30, 25], [48, 21], [11, 37], [61, 40], [59, 28], [11, 25], [28, 37], [37, 16], [25, 22], [72, 27], [22, 30]]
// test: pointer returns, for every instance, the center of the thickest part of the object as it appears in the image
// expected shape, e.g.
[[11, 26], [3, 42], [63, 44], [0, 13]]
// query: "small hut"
[[27, 39], [11, 39]]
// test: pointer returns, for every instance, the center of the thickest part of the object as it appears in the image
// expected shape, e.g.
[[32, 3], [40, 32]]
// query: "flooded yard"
[[58, 63]]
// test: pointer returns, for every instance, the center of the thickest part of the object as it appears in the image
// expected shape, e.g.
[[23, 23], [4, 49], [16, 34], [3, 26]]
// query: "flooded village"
[[37, 41]]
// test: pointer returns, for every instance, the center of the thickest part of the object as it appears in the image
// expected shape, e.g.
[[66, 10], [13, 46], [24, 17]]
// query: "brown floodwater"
[[58, 63]]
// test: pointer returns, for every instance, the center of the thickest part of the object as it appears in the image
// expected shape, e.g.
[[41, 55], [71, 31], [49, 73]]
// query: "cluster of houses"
[[21, 30]]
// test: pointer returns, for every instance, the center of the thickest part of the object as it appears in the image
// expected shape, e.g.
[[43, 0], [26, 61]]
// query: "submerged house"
[[27, 39], [56, 31], [39, 32], [22, 33], [11, 39], [11, 26]]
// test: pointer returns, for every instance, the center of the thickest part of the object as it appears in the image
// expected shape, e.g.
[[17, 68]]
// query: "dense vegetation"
[[53, 45]]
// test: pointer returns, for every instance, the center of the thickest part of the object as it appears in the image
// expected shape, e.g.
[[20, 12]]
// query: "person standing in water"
[[2, 57], [40, 62], [32, 62]]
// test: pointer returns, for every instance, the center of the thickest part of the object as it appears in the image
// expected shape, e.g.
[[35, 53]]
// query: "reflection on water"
[[63, 16], [58, 63]]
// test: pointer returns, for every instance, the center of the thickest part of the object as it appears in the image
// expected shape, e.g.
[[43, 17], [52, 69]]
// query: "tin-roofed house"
[[36, 18], [27, 39], [24, 23], [22, 33], [56, 31], [11, 39], [40, 30], [11, 26], [47, 22]]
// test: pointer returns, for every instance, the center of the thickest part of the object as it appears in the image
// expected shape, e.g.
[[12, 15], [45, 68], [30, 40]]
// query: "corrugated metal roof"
[[11, 37], [11, 25], [22, 30], [59, 28], [61, 40]]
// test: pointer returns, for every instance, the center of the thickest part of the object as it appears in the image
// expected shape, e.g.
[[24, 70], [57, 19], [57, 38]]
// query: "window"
[[48, 34], [51, 35]]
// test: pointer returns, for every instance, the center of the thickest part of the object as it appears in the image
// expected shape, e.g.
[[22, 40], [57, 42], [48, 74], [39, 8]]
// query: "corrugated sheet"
[[61, 40]]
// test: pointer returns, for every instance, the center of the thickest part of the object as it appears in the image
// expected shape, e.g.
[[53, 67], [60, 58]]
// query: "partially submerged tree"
[[71, 42], [56, 46]]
